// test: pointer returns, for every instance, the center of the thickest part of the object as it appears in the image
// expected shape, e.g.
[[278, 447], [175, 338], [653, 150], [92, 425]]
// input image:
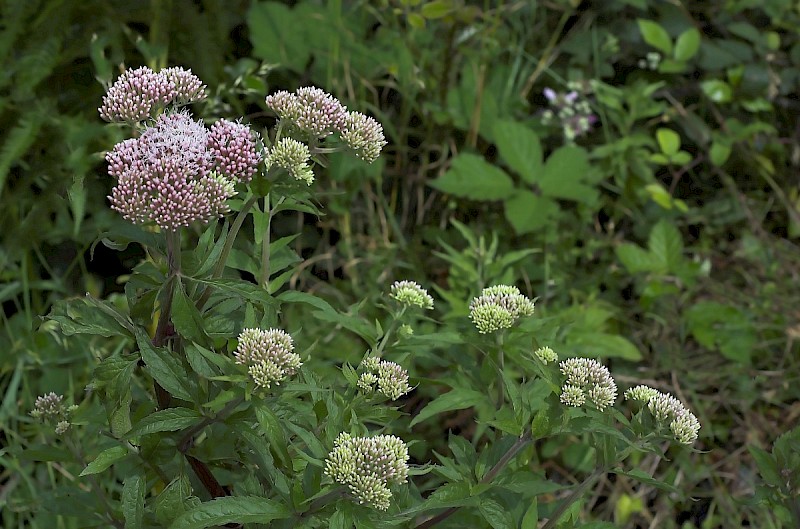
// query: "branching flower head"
[[50, 407], [165, 177], [135, 94], [590, 379], [293, 156], [233, 146], [319, 113], [364, 136], [411, 294], [499, 307], [368, 466], [665, 408], [268, 355], [390, 378]]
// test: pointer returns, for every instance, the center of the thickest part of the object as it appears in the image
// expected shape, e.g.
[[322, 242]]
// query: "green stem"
[[226, 250], [576, 493], [165, 310], [263, 278], [500, 366], [389, 331], [322, 501], [188, 438]]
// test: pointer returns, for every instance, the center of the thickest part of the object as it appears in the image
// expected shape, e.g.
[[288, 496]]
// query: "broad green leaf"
[[164, 368], [437, 8], [666, 244], [720, 152], [600, 344], [645, 478], [687, 44], [174, 500], [565, 175], [530, 520], [105, 459], [295, 296], [635, 259], [87, 315], [528, 212], [231, 509], [277, 35], [242, 289], [520, 148], [169, 420], [470, 176], [494, 513], [271, 428], [717, 91], [457, 399], [767, 466], [186, 318], [133, 491], [668, 140], [656, 36]]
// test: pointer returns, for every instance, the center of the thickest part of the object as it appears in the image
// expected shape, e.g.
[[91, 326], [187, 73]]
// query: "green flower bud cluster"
[[292, 156], [391, 379], [411, 294], [665, 408], [545, 355], [368, 466], [587, 378], [499, 307], [269, 355], [50, 407]]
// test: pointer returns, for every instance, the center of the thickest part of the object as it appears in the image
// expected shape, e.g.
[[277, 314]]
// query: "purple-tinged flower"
[[589, 376], [188, 87], [320, 114], [50, 407], [135, 94], [165, 176], [235, 152], [284, 104], [550, 94], [364, 136]]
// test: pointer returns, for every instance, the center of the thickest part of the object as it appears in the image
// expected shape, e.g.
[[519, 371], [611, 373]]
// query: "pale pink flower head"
[[135, 95], [165, 176], [320, 114], [234, 148], [188, 87]]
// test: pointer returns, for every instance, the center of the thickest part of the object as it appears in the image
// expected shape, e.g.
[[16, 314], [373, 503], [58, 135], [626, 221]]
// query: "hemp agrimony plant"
[[209, 408]]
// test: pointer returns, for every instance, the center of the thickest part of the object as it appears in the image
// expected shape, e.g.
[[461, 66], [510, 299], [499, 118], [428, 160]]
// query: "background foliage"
[[663, 240]]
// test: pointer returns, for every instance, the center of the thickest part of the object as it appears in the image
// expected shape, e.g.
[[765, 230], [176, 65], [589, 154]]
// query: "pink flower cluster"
[[177, 172], [315, 114], [137, 93]]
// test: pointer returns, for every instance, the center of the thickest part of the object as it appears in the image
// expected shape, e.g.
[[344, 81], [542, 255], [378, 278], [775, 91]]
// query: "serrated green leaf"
[[767, 466], [470, 176], [174, 500], [105, 459], [687, 44], [656, 36], [271, 428], [566, 175], [645, 478], [231, 509], [169, 420], [277, 35], [635, 259], [87, 315], [457, 399], [520, 148], [666, 245], [494, 513], [133, 491], [186, 318], [528, 212], [164, 368]]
